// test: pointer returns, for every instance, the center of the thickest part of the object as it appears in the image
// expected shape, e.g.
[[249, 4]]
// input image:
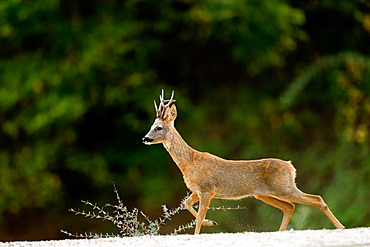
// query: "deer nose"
[[147, 140]]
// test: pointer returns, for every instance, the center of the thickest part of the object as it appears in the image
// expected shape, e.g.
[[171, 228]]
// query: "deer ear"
[[171, 114]]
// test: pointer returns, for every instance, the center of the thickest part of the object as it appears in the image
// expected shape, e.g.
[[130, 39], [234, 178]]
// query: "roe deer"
[[208, 176]]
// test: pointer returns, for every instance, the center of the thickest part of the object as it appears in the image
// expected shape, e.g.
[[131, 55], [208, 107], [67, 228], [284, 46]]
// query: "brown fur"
[[208, 176]]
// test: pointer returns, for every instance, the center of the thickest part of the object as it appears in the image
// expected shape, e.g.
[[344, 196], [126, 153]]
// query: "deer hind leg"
[[205, 200], [316, 201], [193, 198], [284, 206]]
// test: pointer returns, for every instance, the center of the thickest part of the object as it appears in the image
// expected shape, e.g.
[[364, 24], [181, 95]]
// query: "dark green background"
[[253, 79]]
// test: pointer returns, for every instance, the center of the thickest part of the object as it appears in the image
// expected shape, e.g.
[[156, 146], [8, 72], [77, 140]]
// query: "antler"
[[163, 105]]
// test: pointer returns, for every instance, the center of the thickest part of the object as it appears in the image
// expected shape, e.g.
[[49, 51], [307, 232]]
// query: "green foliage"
[[242, 27], [253, 79]]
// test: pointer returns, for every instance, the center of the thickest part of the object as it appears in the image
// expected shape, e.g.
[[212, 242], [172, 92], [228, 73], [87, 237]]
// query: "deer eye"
[[159, 128]]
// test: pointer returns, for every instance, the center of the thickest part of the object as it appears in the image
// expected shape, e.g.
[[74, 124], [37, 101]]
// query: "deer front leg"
[[193, 198], [205, 200]]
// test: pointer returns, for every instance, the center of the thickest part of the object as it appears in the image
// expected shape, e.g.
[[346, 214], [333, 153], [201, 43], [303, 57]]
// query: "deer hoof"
[[209, 223]]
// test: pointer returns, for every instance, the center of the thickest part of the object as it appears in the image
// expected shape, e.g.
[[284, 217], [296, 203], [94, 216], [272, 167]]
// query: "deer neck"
[[180, 151]]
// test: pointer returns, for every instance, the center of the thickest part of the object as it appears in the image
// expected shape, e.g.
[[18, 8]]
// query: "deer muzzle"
[[147, 140]]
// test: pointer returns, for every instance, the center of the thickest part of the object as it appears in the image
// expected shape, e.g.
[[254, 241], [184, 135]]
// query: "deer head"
[[166, 115]]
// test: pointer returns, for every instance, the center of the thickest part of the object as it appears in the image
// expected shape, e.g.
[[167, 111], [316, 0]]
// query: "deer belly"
[[237, 189], [232, 193]]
